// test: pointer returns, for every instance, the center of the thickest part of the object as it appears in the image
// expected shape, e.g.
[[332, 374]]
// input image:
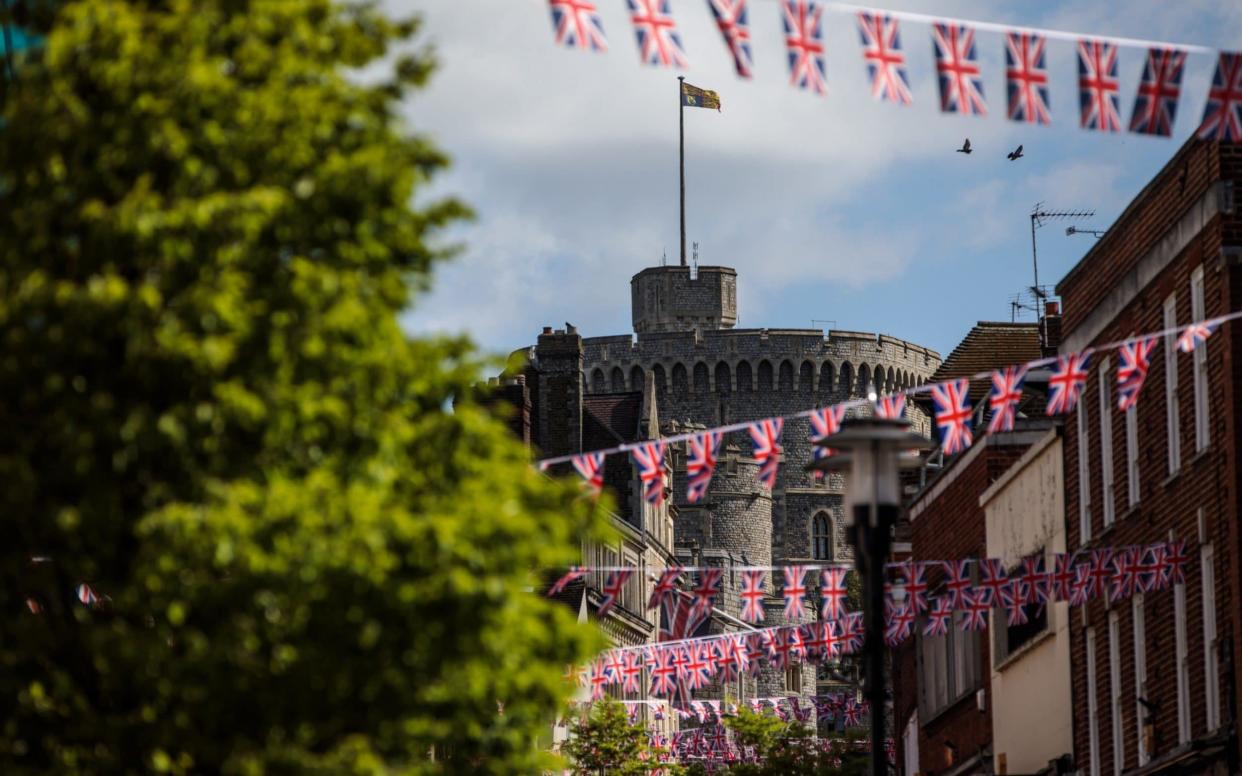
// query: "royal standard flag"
[[694, 97]]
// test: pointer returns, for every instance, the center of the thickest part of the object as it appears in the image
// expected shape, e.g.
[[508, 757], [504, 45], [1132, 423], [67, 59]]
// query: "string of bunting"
[[952, 414], [576, 24], [970, 589]]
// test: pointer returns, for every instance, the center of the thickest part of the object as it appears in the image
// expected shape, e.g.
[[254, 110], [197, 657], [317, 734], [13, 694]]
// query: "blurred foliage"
[[604, 742], [782, 748], [208, 229]]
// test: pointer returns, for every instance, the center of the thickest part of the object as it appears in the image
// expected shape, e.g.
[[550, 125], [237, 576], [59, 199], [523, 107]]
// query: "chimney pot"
[[547, 329], [1052, 308]]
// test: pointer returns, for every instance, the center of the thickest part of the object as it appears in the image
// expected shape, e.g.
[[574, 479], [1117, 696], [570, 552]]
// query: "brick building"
[[1153, 685]]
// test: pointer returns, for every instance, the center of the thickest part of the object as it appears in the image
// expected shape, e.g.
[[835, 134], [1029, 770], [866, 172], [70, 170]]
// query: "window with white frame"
[[1181, 663], [1173, 423], [1114, 691], [1084, 475], [1106, 442], [1093, 705], [1202, 437], [948, 667], [1141, 712], [1211, 665], [1132, 453], [821, 537]]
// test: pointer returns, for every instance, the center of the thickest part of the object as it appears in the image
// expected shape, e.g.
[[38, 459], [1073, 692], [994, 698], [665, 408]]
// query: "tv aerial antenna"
[[1040, 216]]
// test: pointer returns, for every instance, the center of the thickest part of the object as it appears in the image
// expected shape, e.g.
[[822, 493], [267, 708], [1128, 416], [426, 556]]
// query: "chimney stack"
[[1050, 328]]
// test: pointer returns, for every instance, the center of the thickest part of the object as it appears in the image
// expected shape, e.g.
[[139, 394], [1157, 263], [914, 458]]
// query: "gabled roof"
[[609, 418]]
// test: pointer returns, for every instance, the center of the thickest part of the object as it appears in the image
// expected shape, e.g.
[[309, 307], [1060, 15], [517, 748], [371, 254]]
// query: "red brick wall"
[[1207, 481]]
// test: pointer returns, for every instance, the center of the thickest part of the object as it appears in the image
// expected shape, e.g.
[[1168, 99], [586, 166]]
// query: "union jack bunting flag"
[[707, 590], [733, 19], [1222, 118], [1147, 562], [1027, 77], [1062, 577], [631, 671], [577, 25], [899, 625], [591, 467], [756, 650], [1065, 384], [1132, 371], [833, 593], [938, 618], [87, 595], [573, 575], [1013, 603], [658, 41], [1080, 590], [665, 587], [699, 668], [794, 591], [886, 64], [804, 40], [612, 590], [952, 402], [1017, 591], [916, 584], [1100, 572], [825, 422], [1035, 578], [961, 87], [1196, 334], [1155, 107], [853, 633], [701, 463], [649, 457], [614, 661], [1173, 564], [891, 407], [664, 674], [976, 612], [598, 679], [992, 579], [1125, 574], [958, 582], [1004, 398], [1098, 98], [766, 435], [752, 596]]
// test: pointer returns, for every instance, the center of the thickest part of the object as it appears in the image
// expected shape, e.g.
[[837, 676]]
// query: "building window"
[[1114, 691], [1132, 456], [1211, 665], [948, 668], [1200, 363], [1173, 424], [1141, 712], [821, 537], [1008, 639], [793, 679], [1181, 663], [1106, 442], [1084, 476], [1093, 706]]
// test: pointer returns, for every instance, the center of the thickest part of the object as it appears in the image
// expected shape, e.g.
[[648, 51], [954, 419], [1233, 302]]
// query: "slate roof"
[[990, 345]]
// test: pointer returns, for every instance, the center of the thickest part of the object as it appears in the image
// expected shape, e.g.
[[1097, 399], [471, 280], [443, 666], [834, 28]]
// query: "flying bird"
[[965, 149], [1015, 154]]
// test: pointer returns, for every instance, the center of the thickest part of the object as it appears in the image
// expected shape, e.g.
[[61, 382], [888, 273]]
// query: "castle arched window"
[[636, 378], [700, 378], [806, 377], [681, 380], [881, 384], [864, 379], [821, 536], [743, 377], [847, 379], [765, 375], [618, 380], [891, 379], [724, 378], [660, 385], [597, 381], [826, 377], [785, 377]]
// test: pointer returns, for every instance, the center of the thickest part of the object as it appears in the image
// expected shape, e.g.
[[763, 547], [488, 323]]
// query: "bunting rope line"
[[1208, 325]]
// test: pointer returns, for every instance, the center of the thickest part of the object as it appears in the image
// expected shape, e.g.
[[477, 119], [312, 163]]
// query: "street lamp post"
[[872, 451]]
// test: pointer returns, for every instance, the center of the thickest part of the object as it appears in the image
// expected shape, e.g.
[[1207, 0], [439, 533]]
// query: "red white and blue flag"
[[658, 41], [915, 573], [957, 63], [1222, 118], [885, 61], [1125, 574], [952, 403], [577, 25], [573, 575], [1132, 371], [707, 590], [664, 674], [756, 651], [794, 591], [1100, 572], [649, 457], [804, 40], [938, 618], [1035, 579], [1155, 107], [631, 671], [1196, 334], [891, 407], [1062, 577], [766, 434], [733, 19], [699, 667], [1065, 384], [992, 579], [1173, 564], [612, 590], [665, 587], [853, 633], [957, 582], [87, 595], [833, 592], [1099, 100], [701, 463], [898, 620], [591, 467], [1014, 601], [1080, 590], [825, 422], [1026, 74], [752, 596], [1004, 398], [976, 612], [598, 678]]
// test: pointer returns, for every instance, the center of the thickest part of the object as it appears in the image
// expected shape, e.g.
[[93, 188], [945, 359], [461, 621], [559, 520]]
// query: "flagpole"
[[681, 126]]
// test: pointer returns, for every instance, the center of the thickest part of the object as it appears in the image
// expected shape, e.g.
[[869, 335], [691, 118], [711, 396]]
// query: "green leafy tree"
[[604, 742], [212, 417], [789, 748]]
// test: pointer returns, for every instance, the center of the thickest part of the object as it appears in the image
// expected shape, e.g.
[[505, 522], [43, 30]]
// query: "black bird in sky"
[[1016, 154], [965, 149]]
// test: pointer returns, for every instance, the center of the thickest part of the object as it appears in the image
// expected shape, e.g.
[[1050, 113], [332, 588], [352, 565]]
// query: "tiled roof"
[[990, 345], [609, 418]]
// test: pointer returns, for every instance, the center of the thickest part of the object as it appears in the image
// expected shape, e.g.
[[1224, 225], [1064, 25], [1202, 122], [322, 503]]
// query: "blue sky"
[[837, 208]]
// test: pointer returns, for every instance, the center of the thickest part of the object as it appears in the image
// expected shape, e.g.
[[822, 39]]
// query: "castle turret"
[[677, 299], [558, 357]]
